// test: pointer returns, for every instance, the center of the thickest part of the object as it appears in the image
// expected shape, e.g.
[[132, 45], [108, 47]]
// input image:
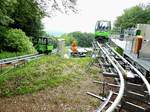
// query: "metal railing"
[[15, 60]]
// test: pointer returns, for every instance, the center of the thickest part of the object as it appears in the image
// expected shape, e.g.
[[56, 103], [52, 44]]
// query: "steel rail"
[[15, 61], [116, 62], [122, 83], [17, 57], [105, 103], [136, 70]]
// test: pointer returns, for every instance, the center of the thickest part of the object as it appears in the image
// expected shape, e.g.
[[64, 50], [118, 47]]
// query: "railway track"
[[15, 61], [129, 90]]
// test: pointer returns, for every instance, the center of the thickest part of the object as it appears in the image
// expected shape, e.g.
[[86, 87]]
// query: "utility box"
[[61, 47]]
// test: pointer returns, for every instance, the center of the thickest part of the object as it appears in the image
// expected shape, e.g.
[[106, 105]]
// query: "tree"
[[6, 8], [83, 39], [27, 14], [28, 17], [51, 7], [20, 14], [68, 39], [132, 16]]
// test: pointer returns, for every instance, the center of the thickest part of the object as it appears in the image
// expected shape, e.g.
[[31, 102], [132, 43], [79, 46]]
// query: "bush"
[[16, 40]]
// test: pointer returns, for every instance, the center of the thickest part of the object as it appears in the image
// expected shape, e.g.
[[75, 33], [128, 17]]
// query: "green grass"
[[10, 54], [48, 71]]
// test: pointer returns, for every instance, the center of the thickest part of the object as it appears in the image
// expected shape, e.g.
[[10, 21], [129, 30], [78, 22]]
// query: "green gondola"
[[102, 30], [44, 45]]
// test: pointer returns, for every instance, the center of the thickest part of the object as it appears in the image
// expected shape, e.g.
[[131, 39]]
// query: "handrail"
[[122, 84], [19, 58]]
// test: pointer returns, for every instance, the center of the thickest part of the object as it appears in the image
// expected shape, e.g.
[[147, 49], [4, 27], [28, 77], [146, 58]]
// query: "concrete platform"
[[142, 64], [119, 43], [145, 63]]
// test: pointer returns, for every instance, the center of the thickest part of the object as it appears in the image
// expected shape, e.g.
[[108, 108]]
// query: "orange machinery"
[[138, 44], [74, 47]]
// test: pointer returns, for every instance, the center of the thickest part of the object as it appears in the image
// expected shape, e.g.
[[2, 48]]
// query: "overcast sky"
[[90, 12]]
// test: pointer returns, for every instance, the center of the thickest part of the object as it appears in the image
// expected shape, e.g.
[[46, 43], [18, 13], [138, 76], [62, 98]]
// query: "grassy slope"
[[39, 74]]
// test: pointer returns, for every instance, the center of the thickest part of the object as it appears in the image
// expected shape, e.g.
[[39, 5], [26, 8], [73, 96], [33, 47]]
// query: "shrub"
[[16, 40]]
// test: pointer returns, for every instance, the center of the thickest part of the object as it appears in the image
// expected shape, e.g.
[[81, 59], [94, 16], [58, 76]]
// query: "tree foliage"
[[20, 14], [132, 16], [51, 7], [26, 15], [6, 8], [83, 39]]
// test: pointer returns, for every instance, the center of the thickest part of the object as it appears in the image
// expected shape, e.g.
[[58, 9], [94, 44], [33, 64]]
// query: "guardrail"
[[15, 60]]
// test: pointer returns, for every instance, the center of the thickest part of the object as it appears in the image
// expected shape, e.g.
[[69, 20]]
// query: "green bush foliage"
[[16, 40]]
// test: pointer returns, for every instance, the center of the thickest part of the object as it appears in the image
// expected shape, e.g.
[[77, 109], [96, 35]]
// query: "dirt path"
[[64, 98]]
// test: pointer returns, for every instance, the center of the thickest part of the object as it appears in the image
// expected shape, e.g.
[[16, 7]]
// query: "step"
[[118, 59], [107, 65], [136, 88], [108, 74], [96, 96], [130, 95], [131, 107], [108, 84]]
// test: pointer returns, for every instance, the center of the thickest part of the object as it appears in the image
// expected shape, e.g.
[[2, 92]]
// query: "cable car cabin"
[[44, 45], [102, 30]]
